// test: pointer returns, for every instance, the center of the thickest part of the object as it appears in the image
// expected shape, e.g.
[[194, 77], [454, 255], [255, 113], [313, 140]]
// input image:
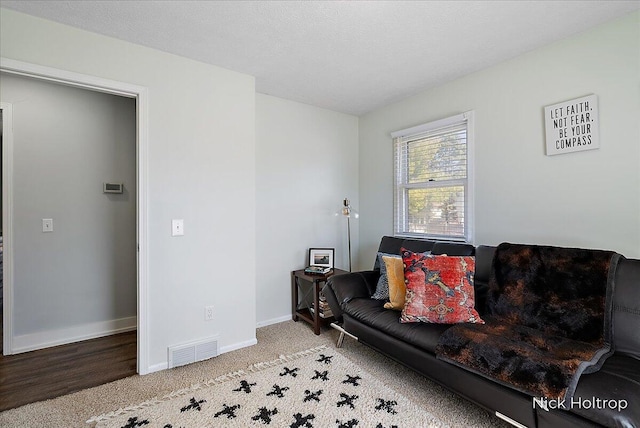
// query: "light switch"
[[177, 227], [47, 225]]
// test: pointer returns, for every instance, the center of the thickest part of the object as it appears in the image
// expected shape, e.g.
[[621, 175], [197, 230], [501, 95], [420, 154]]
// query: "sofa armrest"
[[341, 289], [626, 308]]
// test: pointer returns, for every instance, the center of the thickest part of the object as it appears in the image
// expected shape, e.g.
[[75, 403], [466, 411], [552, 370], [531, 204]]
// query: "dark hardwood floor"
[[52, 372]]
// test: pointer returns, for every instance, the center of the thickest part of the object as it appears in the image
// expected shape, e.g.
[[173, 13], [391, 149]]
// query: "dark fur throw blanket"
[[548, 320]]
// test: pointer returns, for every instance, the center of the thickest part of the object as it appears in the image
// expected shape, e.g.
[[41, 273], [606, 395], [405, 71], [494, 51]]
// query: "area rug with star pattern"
[[313, 388]]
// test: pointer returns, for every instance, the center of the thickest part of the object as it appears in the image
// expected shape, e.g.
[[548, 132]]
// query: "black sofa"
[[413, 345]]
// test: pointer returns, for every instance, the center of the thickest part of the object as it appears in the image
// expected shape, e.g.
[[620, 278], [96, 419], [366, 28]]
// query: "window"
[[433, 180]]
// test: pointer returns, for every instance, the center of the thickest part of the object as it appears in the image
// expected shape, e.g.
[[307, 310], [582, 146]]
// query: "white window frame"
[[469, 184]]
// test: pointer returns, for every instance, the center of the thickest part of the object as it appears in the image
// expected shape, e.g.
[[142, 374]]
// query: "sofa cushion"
[[617, 382], [397, 287], [626, 308], [393, 244], [439, 289], [452, 249], [382, 287], [372, 313]]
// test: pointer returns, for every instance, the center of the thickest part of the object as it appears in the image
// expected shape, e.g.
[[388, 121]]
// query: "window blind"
[[431, 180]]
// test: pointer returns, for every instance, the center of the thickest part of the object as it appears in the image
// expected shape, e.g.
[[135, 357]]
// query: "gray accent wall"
[[67, 142]]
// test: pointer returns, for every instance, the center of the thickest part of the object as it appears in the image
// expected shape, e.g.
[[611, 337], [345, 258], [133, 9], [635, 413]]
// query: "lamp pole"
[[349, 233], [346, 211]]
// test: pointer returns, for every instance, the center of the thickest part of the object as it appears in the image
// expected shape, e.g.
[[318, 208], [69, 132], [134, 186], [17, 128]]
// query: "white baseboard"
[[223, 350], [157, 367], [273, 321], [239, 345], [47, 339]]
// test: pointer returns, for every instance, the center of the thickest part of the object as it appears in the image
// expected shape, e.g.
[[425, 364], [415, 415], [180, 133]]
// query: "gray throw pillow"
[[382, 288]]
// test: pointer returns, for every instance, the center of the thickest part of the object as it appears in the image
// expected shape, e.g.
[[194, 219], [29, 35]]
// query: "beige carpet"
[[74, 410]]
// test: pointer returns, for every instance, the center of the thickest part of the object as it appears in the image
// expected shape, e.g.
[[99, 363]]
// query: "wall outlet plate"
[[208, 313]]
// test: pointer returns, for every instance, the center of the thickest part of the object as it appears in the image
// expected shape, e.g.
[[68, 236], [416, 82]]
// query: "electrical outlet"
[[208, 313]]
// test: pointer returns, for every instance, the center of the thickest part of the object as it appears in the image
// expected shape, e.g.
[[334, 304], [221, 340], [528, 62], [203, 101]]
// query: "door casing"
[[93, 83]]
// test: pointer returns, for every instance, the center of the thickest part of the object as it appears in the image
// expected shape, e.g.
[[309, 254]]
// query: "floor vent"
[[191, 352]]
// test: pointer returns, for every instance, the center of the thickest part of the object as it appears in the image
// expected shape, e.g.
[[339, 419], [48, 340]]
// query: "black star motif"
[[264, 415], [321, 375], [229, 412], [134, 422], [290, 372], [382, 426], [325, 359], [347, 400], [386, 405], [245, 386], [278, 391], [193, 404], [348, 424], [353, 380], [312, 395], [302, 421]]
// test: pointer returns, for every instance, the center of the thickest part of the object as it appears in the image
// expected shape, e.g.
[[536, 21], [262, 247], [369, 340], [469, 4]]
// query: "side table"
[[300, 303]]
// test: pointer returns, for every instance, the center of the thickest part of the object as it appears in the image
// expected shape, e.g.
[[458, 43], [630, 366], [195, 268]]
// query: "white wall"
[[306, 164], [67, 142], [588, 199], [201, 168]]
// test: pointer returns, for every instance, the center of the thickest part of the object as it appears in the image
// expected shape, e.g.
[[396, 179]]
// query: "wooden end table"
[[301, 303]]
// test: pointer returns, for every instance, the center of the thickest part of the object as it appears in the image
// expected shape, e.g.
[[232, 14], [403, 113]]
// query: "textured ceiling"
[[348, 56]]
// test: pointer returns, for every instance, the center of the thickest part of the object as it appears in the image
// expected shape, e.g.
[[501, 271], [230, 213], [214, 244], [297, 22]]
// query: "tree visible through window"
[[432, 180]]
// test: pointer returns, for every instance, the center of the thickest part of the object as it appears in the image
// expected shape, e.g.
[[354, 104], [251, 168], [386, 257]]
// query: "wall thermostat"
[[112, 187]]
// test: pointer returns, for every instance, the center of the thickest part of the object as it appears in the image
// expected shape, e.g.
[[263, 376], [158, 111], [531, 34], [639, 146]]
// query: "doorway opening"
[[91, 83]]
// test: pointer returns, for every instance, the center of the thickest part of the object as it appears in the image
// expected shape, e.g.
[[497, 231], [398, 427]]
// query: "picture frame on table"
[[321, 257]]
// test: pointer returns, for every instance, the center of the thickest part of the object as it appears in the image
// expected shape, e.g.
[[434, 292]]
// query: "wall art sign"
[[572, 126]]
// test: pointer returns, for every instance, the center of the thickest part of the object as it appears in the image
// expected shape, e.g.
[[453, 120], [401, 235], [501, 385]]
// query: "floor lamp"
[[348, 212]]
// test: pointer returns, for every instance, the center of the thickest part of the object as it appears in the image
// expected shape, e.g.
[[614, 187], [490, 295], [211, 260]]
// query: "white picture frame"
[[322, 257], [572, 126]]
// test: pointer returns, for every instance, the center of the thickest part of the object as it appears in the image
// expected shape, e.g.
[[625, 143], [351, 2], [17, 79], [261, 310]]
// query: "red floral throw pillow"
[[439, 289]]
